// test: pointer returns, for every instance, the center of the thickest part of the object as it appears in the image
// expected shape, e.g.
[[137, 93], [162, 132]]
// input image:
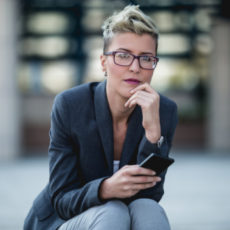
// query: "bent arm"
[[69, 193], [146, 147]]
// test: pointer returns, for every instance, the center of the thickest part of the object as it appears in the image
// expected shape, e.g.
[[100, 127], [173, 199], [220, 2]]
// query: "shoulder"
[[168, 116], [78, 94], [168, 112], [74, 106], [77, 98], [74, 100], [167, 104]]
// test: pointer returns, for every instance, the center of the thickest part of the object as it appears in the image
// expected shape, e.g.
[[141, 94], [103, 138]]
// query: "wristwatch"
[[160, 142]]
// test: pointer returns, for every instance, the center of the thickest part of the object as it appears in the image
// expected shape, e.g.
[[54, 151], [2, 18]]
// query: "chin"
[[125, 93]]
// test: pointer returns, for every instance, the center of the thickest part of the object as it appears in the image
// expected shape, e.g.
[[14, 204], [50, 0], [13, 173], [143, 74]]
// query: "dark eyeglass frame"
[[113, 53]]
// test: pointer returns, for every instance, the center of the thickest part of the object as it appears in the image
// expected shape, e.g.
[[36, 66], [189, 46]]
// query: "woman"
[[101, 131]]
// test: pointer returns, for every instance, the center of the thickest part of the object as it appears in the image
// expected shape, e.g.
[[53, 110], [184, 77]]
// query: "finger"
[[134, 170], [142, 94], [145, 96], [139, 98], [151, 97], [143, 186], [144, 179], [145, 87], [143, 102]]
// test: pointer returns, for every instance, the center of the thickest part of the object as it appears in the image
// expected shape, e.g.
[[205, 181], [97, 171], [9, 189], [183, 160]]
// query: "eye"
[[123, 55], [147, 58]]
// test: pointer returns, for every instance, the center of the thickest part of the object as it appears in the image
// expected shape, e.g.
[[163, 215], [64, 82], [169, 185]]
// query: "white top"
[[116, 166]]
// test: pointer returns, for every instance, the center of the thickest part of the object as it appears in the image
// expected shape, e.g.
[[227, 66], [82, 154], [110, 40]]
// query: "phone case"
[[157, 163]]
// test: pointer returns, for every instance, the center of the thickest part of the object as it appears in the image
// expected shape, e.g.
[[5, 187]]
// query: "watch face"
[[160, 142]]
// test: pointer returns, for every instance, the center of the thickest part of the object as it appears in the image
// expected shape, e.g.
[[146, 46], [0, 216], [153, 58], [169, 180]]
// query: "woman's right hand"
[[127, 182]]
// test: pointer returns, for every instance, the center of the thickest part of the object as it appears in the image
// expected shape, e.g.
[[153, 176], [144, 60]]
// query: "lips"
[[132, 81]]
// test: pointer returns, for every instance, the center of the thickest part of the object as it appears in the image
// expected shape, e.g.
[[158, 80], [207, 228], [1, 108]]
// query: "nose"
[[135, 66]]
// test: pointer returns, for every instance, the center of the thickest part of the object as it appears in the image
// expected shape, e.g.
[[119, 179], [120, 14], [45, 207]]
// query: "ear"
[[103, 62]]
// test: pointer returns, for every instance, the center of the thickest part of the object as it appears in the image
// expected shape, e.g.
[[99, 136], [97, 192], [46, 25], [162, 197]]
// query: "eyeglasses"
[[126, 59]]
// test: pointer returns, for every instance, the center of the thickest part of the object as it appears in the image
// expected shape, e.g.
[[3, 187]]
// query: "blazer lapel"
[[104, 122], [105, 127], [133, 136]]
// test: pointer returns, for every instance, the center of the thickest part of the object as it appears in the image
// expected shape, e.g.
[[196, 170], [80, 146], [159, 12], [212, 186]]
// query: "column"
[[9, 96], [219, 85]]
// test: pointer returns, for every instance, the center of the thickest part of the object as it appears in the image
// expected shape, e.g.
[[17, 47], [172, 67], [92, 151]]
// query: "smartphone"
[[157, 163]]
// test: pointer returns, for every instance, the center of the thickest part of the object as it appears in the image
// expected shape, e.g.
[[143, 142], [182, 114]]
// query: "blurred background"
[[47, 46]]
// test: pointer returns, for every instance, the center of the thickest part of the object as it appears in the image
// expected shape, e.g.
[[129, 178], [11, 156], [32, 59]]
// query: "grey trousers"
[[141, 214]]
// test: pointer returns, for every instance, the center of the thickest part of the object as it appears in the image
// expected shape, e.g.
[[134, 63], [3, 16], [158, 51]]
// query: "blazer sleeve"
[[68, 194], [146, 147]]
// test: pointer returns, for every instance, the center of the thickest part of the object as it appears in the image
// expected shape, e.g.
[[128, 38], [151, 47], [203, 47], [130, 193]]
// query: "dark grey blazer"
[[81, 153]]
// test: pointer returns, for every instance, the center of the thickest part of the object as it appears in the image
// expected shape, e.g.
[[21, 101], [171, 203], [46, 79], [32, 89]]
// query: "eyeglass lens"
[[125, 59]]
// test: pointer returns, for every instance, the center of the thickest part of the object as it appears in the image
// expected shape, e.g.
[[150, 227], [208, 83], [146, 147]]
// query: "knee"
[[147, 204], [116, 209], [149, 212], [116, 213]]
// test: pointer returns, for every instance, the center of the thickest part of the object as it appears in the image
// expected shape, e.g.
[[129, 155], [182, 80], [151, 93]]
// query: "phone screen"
[[157, 163]]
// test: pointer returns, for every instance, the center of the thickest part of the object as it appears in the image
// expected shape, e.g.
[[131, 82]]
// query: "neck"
[[120, 113]]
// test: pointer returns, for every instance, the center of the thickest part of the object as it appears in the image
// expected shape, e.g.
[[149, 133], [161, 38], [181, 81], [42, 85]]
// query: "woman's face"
[[121, 79]]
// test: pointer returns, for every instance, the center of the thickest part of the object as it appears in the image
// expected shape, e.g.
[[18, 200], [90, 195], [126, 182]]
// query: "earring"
[[105, 74]]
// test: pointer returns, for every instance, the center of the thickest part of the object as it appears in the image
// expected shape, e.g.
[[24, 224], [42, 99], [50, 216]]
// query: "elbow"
[[62, 209]]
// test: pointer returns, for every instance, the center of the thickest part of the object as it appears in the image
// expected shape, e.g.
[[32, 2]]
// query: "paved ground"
[[196, 198]]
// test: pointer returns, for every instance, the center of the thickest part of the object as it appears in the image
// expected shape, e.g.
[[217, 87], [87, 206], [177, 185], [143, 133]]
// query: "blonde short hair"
[[130, 19]]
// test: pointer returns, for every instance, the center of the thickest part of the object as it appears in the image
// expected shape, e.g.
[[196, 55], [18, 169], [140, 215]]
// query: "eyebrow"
[[129, 51]]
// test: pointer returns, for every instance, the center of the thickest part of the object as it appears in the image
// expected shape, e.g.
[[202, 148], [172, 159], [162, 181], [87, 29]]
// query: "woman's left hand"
[[149, 101]]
